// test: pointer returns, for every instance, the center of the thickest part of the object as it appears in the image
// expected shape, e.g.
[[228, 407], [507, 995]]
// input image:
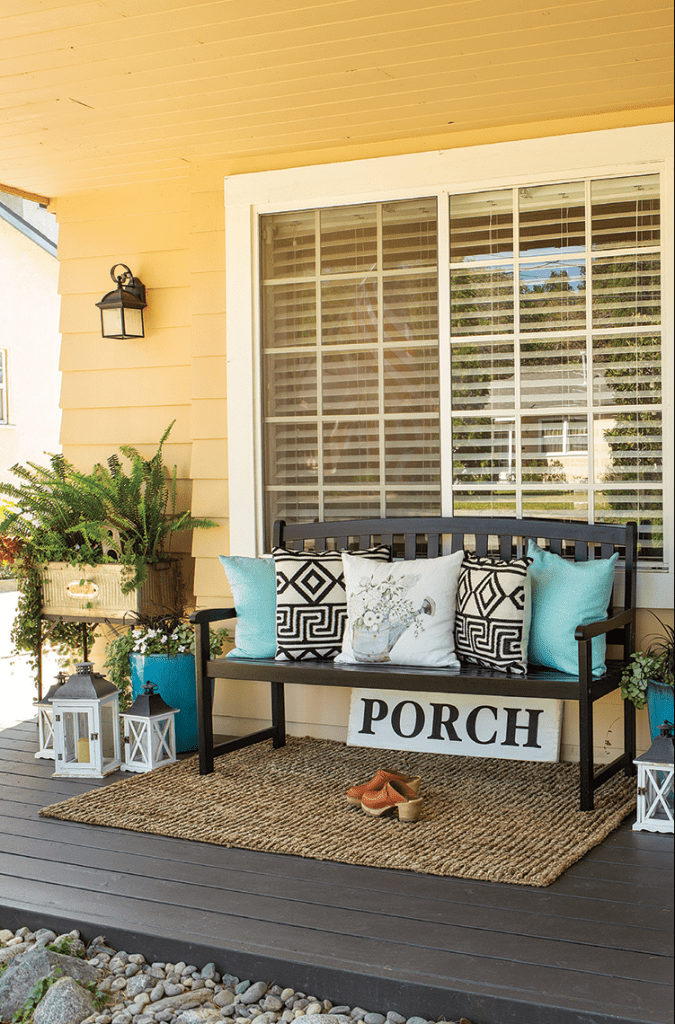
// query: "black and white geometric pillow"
[[312, 602], [492, 623]]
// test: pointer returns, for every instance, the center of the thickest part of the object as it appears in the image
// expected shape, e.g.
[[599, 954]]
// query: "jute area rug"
[[502, 821]]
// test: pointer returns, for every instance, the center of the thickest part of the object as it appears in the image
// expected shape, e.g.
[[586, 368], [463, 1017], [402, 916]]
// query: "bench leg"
[[204, 701], [586, 769], [278, 714]]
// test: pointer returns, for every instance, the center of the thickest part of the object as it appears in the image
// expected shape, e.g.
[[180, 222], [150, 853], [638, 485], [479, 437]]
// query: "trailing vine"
[[29, 631], [66, 947], [655, 664]]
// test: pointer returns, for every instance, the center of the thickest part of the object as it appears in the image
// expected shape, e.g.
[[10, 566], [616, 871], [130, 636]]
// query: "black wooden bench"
[[427, 538]]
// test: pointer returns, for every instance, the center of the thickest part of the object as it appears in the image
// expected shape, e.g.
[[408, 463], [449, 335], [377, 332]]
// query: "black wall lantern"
[[122, 310]]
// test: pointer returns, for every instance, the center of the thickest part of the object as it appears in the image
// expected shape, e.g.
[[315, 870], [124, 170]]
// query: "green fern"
[[113, 514]]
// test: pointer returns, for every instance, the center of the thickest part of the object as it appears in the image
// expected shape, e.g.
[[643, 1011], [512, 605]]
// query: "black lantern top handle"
[[128, 281], [123, 279]]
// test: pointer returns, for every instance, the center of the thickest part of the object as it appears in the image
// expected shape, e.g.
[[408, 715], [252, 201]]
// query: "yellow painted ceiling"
[[112, 92]]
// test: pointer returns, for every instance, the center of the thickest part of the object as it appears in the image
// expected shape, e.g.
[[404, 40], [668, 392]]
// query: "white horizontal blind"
[[350, 362], [556, 353], [555, 337]]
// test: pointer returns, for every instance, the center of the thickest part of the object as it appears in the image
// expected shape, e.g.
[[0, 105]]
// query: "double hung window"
[[490, 352]]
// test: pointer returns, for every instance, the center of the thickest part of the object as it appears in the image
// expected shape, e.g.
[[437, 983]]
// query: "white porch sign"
[[515, 728]]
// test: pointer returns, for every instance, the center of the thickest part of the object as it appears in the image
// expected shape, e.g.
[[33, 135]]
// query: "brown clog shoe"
[[396, 796], [378, 781]]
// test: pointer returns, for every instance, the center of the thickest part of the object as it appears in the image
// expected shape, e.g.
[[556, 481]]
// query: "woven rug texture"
[[482, 818]]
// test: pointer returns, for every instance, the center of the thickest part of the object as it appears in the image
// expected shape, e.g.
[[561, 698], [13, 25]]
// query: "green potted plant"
[[648, 677], [93, 544], [161, 651]]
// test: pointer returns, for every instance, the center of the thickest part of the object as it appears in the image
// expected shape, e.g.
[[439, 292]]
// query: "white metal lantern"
[[86, 726], [655, 784], [149, 732], [46, 719]]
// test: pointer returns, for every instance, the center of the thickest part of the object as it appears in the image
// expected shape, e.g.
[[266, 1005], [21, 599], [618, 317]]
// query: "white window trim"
[[248, 196]]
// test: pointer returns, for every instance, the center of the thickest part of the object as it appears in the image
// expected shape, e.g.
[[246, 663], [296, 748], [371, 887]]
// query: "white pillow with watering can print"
[[401, 612]]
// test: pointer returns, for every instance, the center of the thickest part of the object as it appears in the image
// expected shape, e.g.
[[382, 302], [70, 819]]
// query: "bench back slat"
[[580, 552], [505, 548], [481, 545]]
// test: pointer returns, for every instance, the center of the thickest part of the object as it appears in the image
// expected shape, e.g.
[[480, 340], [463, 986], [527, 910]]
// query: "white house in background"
[[30, 381]]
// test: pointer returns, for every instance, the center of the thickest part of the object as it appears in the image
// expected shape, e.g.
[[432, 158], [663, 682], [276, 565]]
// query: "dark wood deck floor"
[[593, 948]]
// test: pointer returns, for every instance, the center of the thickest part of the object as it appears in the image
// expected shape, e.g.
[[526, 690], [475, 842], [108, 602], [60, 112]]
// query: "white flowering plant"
[[178, 640], [169, 636]]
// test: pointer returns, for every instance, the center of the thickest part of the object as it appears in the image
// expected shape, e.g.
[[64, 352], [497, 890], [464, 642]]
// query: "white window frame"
[[387, 179]]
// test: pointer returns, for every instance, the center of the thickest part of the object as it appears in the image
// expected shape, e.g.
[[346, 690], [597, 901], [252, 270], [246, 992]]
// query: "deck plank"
[[594, 947]]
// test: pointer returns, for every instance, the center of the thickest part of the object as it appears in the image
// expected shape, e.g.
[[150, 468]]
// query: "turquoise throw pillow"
[[566, 595], [254, 589]]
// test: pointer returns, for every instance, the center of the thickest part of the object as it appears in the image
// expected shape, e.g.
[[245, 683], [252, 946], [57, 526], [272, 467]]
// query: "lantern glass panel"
[[138, 740], [161, 747], [112, 323], [46, 729], [76, 732], [133, 322], [658, 796], [107, 732]]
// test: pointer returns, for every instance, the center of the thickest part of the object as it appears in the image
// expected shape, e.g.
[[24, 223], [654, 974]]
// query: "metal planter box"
[[95, 591]]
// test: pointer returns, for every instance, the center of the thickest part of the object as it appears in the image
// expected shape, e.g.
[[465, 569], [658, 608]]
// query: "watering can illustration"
[[374, 636]]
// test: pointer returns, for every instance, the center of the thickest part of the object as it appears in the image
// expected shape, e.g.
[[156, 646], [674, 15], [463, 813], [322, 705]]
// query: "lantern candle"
[[83, 750]]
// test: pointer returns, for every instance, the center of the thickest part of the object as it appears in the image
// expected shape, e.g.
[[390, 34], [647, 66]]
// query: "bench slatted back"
[[434, 536]]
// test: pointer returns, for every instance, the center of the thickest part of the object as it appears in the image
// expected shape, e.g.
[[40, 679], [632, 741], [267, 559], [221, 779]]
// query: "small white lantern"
[[655, 784], [46, 719], [86, 726], [149, 732]]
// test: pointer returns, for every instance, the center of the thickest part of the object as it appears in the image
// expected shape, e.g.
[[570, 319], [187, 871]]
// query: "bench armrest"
[[592, 629], [207, 615]]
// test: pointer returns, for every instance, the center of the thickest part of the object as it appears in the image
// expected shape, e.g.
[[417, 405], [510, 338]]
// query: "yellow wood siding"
[[126, 392], [209, 468]]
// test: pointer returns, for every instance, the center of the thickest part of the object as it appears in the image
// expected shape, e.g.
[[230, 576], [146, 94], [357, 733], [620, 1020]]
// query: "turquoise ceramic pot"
[[659, 705], [175, 682]]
